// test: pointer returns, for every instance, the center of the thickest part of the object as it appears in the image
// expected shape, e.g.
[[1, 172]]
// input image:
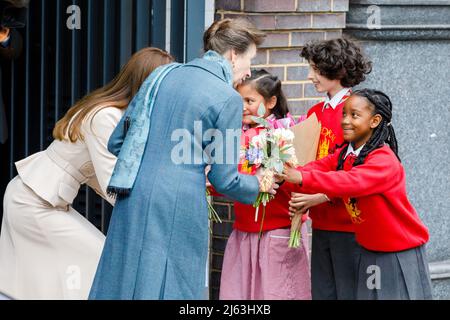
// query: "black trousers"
[[334, 266]]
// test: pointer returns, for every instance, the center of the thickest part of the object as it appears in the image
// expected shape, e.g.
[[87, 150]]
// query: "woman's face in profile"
[[241, 65]]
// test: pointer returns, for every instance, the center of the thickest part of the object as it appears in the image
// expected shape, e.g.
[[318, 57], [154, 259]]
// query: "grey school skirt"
[[400, 275]]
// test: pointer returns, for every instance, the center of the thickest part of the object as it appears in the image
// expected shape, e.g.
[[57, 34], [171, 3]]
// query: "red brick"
[[297, 73], [299, 108], [228, 5], [223, 210], [222, 229], [302, 38], [263, 22], [298, 21], [261, 57], [284, 56], [292, 91], [217, 261], [333, 34], [277, 71], [218, 245], [269, 5], [329, 21], [340, 5], [274, 40], [314, 5]]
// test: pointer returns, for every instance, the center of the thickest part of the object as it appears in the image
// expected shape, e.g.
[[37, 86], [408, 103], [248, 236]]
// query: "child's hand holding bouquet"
[[268, 153]]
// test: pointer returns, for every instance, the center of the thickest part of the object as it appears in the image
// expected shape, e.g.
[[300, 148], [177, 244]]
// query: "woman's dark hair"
[[338, 59], [237, 34], [269, 86], [384, 133]]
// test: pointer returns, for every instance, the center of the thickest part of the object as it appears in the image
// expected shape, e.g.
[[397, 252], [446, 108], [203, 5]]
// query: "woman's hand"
[[207, 170], [303, 202], [267, 182]]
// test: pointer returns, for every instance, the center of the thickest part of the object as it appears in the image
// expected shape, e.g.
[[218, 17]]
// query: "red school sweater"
[[277, 213], [330, 216], [277, 210], [375, 197]]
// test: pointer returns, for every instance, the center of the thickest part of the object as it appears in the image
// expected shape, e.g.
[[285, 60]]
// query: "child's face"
[[252, 101], [322, 83], [358, 121]]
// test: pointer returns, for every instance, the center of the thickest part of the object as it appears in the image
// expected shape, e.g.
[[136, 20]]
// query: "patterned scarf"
[[224, 64], [138, 117]]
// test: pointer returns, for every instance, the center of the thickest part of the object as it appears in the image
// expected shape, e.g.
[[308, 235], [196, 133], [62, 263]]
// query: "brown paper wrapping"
[[306, 141]]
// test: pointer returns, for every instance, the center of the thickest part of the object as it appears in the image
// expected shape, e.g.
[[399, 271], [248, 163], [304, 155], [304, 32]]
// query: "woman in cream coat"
[[47, 249]]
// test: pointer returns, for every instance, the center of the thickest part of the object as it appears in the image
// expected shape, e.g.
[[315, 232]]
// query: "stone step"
[[440, 276]]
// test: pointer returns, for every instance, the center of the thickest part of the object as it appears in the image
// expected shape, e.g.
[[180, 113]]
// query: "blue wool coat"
[[157, 242]]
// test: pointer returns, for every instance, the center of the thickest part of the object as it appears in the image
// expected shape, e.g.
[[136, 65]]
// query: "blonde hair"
[[237, 34], [118, 93]]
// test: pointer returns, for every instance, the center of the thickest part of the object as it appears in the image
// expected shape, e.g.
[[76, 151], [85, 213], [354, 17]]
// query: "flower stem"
[[213, 216], [262, 223]]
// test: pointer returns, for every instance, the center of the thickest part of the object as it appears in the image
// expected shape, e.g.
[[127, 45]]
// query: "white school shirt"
[[333, 102]]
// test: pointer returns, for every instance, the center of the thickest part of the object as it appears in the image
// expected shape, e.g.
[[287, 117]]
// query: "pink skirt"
[[267, 269]]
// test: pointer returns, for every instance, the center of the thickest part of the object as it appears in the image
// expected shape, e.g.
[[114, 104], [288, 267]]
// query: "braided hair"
[[382, 134]]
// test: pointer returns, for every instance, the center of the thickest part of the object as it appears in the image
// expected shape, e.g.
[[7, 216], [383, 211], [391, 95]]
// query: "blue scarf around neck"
[[139, 113]]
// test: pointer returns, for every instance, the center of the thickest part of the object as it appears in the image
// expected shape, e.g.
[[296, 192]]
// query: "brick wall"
[[289, 25]]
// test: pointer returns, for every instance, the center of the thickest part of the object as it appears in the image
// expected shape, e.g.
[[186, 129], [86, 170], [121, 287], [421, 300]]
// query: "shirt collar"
[[333, 102], [351, 150]]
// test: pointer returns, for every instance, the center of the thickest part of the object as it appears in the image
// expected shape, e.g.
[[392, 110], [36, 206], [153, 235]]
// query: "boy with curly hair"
[[335, 67]]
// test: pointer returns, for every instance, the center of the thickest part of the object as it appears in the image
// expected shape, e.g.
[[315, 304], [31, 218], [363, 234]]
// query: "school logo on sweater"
[[353, 211], [245, 168], [327, 143]]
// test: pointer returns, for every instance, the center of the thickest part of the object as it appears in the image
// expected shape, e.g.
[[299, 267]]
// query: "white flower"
[[259, 141], [283, 135], [289, 150]]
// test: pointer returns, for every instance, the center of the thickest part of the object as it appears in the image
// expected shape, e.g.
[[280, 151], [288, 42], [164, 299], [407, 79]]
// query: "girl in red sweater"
[[336, 65], [367, 174], [264, 269]]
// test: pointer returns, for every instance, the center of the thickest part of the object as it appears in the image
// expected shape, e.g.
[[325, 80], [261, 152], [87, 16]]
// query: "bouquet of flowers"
[[268, 151]]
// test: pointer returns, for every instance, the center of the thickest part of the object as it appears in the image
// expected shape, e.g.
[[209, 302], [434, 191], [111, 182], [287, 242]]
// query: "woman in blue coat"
[[157, 243]]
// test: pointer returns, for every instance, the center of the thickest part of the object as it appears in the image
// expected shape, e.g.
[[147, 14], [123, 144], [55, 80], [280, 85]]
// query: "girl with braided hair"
[[368, 175], [335, 66]]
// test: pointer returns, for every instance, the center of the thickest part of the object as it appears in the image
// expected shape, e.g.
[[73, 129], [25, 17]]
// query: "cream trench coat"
[[47, 249]]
